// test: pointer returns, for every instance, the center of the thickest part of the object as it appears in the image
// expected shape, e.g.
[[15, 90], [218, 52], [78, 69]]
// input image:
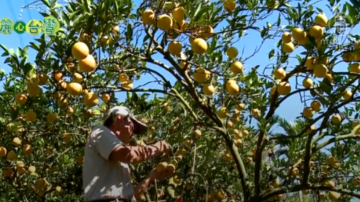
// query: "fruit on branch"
[[3, 152], [308, 112], [208, 89], [288, 47], [88, 64], [232, 52], [164, 22], [286, 37], [33, 90], [11, 156], [284, 88], [115, 30], [309, 63], [321, 20], [347, 94], [316, 31], [236, 67], [30, 116], [299, 35], [232, 87], [80, 50], [334, 196], [105, 97], [51, 117], [57, 75], [307, 82], [229, 5], [16, 141], [43, 78], [74, 88], [336, 119], [199, 46], [148, 17], [20, 98], [69, 111], [223, 112], [256, 113], [206, 32], [280, 73], [354, 68], [91, 99], [127, 85], [123, 77], [320, 70], [77, 77], [178, 14], [315, 105], [201, 75], [175, 47]]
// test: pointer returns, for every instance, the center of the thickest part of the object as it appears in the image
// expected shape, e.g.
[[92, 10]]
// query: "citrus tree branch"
[[261, 142], [338, 138]]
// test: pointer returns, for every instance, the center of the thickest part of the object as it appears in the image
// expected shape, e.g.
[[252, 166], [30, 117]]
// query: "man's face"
[[125, 128]]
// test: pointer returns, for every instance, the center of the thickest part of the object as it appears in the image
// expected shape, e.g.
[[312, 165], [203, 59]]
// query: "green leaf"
[[6, 51], [271, 54], [129, 33], [46, 2]]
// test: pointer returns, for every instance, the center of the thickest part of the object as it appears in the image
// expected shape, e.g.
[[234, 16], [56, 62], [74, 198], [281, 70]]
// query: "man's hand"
[[162, 148]]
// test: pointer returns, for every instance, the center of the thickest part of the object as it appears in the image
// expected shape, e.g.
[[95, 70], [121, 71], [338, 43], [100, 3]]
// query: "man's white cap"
[[139, 127]]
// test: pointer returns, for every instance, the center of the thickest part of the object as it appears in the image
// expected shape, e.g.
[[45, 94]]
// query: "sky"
[[289, 110]]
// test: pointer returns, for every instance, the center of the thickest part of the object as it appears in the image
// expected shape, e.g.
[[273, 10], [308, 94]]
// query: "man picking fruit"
[[106, 172]]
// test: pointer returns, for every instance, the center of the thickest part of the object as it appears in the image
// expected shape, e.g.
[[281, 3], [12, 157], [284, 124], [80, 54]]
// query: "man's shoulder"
[[97, 130]]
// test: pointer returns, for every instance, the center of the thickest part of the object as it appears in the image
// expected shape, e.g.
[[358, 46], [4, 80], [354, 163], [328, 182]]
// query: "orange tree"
[[219, 116]]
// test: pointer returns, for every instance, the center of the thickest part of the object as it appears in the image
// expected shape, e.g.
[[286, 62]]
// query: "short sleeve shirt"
[[103, 178]]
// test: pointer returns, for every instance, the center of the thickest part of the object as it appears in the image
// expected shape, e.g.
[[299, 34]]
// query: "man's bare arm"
[[133, 154]]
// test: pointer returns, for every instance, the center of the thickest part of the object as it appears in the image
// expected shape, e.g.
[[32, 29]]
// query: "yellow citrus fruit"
[[348, 57], [223, 112], [77, 77], [315, 105], [286, 37], [232, 52], [232, 87], [229, 5], [321, 20], [88, 64], [308, 112], [20, 98], [320, 70], [347, 94], [33, 90], [336, 119], [161, 167], [148, 17], [27, 149], [91, 99], [208, 89], [3, 152], [309, 63], [288, 47], [199, 46], [201, 75], [236, 67], [80, 50], [105, 97], [51, 117], [43, 78], [123, 77], [175, 47], [307, 82], [164, 22], [256, 112], [284, 88], [354, 68], [316, 31], [280, 73], [74, 88], [206, 32], [178, 14], [11, 156], [127, 85], [30, 116], [299, 34]]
